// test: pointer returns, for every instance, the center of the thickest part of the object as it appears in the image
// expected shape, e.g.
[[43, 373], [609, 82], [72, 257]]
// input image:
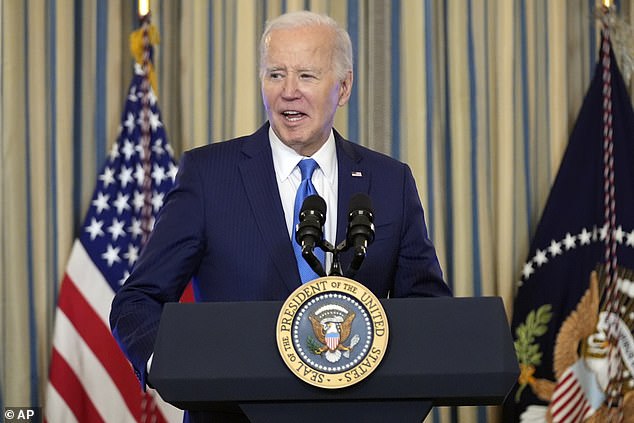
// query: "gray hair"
[[342, 57]]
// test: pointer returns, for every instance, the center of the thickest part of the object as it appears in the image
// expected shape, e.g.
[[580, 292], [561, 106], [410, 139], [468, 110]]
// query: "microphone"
[[360, 229], [309, 231]]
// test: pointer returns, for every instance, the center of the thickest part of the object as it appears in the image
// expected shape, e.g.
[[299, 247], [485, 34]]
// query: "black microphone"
[[309, 231], [360, 229]]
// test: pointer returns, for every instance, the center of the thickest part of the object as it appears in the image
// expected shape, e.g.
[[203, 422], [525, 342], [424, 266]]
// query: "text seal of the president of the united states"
[[332, 332]]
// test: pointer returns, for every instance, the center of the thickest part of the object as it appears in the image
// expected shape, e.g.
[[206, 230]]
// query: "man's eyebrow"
[[311, 70], [277, 68]]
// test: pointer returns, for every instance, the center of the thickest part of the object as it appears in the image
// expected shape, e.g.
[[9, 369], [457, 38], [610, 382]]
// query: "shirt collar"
[[285, 159]]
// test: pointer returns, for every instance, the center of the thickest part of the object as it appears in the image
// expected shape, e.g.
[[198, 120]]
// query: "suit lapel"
[[258, 176], [354, 177]]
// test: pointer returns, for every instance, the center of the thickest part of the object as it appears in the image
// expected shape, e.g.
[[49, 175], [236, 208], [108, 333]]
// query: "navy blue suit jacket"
[[223, 225]]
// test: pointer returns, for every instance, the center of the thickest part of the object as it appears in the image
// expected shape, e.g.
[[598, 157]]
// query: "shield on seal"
[[332, 336]]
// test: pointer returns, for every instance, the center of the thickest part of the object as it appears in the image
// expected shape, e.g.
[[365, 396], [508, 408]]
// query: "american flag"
[[90, 379]]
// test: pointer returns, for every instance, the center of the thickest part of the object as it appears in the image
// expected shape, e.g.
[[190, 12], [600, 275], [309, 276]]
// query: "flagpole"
[[615, 368], [148, 404], [146, 212]]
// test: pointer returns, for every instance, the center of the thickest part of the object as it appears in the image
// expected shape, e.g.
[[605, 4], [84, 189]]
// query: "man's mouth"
[[293, 115]]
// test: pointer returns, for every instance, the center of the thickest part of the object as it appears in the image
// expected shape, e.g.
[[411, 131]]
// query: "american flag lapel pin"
[[357, 174]]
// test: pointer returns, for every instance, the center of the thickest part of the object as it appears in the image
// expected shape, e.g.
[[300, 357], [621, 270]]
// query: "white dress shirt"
[[325, 180]]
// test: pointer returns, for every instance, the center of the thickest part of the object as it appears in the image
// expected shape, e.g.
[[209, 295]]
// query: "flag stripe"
[[576, 413], [569, 405], [90, 282], [55, 402], [98, 338], [65, 381], [563, 385], [168, 413], [89, 373], [562, 394], [584, 412]]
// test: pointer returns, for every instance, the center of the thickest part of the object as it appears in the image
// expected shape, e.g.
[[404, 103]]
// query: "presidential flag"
[[90, 379], [573, 315]]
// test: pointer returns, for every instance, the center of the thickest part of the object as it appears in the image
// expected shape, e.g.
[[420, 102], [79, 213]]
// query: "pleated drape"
[[477, 96]]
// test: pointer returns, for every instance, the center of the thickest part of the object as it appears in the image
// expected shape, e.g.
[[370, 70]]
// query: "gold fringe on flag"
[[137, 50]]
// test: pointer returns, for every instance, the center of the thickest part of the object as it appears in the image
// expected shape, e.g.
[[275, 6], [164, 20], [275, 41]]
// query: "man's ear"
[[345, 89]]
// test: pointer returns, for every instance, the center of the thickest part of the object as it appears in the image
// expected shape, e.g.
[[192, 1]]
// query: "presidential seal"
[[332, 332]]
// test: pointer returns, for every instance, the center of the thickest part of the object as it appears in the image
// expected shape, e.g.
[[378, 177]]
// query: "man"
[[228, 223]]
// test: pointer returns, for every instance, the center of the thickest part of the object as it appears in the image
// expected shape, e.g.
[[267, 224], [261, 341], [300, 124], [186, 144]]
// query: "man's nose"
[[291, 87]]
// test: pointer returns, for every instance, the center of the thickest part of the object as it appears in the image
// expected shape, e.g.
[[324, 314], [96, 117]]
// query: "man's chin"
[[296, 144], [301, 146], [293, 139]]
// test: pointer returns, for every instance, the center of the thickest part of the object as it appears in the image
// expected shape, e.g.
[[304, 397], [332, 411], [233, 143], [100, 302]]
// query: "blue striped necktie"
[[305, 189]]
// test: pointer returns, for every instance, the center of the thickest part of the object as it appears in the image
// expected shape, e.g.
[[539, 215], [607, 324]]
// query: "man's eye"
[[275, 75], [307, 76]]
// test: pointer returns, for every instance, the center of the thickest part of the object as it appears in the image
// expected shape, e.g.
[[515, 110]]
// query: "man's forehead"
[[321, 33], [297, 54]]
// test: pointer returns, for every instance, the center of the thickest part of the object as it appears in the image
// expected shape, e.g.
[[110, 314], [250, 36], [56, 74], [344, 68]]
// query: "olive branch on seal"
[[528, 354], [313, 345]]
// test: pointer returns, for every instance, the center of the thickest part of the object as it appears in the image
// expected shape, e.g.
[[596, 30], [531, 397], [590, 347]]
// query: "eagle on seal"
[[332, 335], [580, 342]]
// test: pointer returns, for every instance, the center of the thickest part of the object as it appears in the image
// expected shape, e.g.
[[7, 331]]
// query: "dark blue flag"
[[560, 319]]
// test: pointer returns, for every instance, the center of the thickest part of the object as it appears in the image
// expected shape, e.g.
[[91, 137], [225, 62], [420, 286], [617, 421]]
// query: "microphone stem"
[[335, 268], [313, 261], [357, 259]]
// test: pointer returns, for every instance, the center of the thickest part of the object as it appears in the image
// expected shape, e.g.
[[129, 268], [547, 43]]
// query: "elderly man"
[[228, 223]]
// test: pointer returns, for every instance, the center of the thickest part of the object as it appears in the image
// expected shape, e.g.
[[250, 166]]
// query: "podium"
[[441, 351]]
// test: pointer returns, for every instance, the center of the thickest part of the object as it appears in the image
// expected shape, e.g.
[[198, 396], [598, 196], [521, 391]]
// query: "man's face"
[[299, 87]]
